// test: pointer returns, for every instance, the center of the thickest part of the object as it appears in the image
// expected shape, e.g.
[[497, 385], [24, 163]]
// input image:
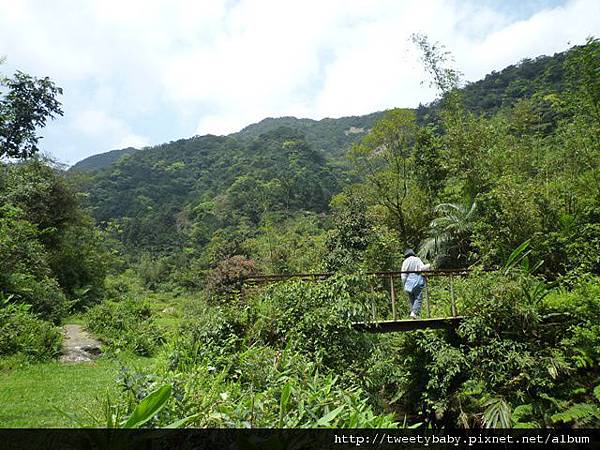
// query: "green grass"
[[167, 309], [30, 394], [77, 319]]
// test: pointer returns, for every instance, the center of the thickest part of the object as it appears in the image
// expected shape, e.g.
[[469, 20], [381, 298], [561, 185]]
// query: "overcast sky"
[[139, 73]]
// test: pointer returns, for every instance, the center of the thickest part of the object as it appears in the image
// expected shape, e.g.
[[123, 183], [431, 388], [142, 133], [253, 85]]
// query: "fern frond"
[[497, 414]]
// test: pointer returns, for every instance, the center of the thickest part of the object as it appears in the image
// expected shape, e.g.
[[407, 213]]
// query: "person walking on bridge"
[[413, 282]]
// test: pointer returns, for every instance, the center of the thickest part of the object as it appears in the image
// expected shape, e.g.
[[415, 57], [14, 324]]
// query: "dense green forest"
[[149, 251]]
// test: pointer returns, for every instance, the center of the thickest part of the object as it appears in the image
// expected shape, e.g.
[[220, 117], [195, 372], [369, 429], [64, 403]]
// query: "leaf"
[[148, 407], [579, 413], [181, 422], [286, 392], [517, 255], [597, 392], [497, 414], [327, 418], [521, 412]]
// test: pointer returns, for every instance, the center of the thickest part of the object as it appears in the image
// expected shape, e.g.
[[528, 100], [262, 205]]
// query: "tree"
[[583, 67], [26, 106], [437, 62], [351, 234], [384, 160], [450, 233]]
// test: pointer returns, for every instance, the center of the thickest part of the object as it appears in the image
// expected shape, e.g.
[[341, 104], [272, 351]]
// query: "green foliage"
[[49, 249], [386, 162], [153, 271], [146, 409], [125, 325], [316, 318], [296, 394], [579, 414], [497, 414], [436, 61], [351, 234], [97, 162], [27, 105], [293, 245], [186, 195], [23, 333], [450, 234], [518, 359], [43, 295], [203, 213]]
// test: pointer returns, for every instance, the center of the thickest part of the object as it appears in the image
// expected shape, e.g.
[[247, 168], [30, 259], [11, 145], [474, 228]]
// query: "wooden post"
[[373, 304], [453, 304], [393, 294], [427, 299]]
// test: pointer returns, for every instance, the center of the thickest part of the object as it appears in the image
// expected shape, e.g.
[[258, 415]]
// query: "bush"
[[523, 355], [287, 390], [23, 333], [125, 325], [229, 274], [315, 318], [43, 295], [212, 335], [153, 270], [49, 248]]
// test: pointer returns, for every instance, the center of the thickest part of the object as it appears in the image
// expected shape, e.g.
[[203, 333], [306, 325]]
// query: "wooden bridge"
[[395, 324]]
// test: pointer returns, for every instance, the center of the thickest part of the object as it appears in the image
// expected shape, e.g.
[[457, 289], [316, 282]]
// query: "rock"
[[78, 345]]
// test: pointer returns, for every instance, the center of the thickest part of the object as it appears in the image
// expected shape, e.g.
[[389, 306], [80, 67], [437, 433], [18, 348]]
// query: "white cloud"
[[133, 140], [96, 124], [138, 71]]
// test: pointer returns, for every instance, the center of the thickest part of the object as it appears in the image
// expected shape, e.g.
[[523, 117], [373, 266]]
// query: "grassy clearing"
[[166, 309], [30, 394]]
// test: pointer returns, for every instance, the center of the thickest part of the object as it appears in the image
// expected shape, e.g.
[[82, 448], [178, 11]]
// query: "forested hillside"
[[539, 76], [102, 160], [507, 189], [160, 196], [179, 194]]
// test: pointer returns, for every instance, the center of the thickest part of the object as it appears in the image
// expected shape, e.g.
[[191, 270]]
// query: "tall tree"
[[25, 107], [385, 161]]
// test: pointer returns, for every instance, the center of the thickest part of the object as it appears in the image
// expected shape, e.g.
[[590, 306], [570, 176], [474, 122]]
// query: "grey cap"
[[409, 252]]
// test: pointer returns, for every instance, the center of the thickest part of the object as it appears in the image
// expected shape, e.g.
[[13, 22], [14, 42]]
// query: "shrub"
[[43, 295], [212, 335], [153, 270], [229, 274], [289, 390], [315, 318], [125, 324], [23, 333]]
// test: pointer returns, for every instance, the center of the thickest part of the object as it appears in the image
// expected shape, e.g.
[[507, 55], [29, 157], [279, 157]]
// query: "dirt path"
[[78, 345]]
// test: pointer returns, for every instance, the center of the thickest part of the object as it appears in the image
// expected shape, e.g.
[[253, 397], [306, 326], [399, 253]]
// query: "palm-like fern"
[[449, 232]]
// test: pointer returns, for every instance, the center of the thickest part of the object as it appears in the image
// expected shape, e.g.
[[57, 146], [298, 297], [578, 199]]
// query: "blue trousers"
[[416, 297]]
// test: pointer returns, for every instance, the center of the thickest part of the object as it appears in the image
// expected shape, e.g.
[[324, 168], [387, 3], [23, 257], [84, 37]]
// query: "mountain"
[[218, 181], [168, 194], [101, 160], [330, 136], [497, 90], [538, 76]]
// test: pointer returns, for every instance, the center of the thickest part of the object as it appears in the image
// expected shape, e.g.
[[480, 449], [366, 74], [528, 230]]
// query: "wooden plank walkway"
[[390, 326]]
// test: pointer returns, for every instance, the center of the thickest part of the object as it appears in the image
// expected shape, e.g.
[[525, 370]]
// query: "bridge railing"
[[438, 294]]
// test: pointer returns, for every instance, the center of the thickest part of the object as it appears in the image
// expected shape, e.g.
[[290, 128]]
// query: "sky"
[[140, 73]]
